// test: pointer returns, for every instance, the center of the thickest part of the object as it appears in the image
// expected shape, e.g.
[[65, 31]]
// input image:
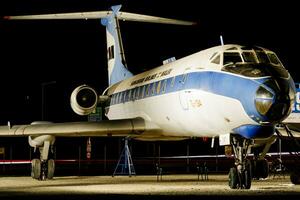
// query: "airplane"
[[234, 92]]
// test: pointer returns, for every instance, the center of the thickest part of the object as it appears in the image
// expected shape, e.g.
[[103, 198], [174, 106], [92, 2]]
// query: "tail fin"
[[117, 70]]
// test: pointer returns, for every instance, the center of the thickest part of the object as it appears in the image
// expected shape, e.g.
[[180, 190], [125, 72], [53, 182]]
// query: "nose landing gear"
[[240, 176]]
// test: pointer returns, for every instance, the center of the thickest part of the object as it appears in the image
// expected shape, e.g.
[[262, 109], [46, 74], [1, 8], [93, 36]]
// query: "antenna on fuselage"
[[221, 40]]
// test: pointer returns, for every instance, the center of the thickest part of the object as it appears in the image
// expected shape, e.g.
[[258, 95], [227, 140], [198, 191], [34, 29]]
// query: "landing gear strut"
[[240, 176]]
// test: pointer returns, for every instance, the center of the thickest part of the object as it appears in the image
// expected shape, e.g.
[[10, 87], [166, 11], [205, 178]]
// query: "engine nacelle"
[[84, 100]]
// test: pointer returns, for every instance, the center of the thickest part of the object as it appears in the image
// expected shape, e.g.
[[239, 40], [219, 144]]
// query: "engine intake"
[[84, 100]]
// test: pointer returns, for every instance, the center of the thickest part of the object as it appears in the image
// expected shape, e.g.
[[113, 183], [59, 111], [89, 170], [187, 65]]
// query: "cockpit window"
[[273, 59], [216, 60], [249, 57], [232, 48], [262, 57], [255, 70], [231, 57], [249, 70], [213, 55]]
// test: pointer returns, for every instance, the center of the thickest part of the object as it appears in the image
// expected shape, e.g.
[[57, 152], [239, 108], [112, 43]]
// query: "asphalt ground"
[[144, 187]]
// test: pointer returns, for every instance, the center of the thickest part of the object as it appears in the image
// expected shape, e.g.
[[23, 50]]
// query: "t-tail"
[[117, 67]]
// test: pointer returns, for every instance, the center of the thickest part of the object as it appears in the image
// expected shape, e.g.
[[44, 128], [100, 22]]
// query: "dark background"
[[74, 52]]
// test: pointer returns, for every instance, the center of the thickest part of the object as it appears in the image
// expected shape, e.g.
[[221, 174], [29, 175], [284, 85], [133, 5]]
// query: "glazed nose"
[[264, 100], [274, 103]]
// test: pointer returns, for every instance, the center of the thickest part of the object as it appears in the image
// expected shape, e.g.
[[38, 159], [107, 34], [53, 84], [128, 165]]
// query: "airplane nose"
[[274, 99]]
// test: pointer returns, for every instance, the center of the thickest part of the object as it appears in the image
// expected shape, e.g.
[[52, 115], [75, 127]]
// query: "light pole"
[[43, 92]]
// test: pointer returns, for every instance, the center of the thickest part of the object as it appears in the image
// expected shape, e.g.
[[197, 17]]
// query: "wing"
[[284, 133], [293, 123], [124, 127]]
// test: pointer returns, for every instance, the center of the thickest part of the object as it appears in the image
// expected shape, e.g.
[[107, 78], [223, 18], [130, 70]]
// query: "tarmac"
[[144, 187]]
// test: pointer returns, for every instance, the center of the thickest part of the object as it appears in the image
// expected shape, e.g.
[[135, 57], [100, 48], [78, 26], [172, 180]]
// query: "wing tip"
[[6, 17]]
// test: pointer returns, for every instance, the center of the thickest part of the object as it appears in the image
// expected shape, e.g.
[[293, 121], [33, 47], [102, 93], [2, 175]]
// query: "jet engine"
[[84, 100]]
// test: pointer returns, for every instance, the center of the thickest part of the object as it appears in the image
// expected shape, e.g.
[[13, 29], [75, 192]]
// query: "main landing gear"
[[43, 165], [240, 176]]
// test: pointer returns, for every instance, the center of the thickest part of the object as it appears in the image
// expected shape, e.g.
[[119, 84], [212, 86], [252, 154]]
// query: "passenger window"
[[164, 86], [148, 90], [231, 57], [158, 87], [153, 88], [137, 94], [116, 97], [120, 97], [184, 77], [133, 94], [125, 95], [112, 99], [129, 95], [173, 81], [143, 92]]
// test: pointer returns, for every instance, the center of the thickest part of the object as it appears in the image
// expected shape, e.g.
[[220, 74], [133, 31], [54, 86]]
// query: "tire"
[[247, 179], [265, 168], [36, 168], [51, 169], [260, 169], [295, 177], [248, 175], [233, 178]]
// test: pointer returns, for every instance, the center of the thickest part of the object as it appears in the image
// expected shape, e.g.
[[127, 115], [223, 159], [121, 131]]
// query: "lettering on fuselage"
[[151, 77]]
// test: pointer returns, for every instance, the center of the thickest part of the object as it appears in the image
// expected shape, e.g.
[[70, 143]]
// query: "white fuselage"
[[177, 110]]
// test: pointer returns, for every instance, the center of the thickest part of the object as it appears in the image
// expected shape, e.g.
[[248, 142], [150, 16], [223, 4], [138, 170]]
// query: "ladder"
[[125, 165]]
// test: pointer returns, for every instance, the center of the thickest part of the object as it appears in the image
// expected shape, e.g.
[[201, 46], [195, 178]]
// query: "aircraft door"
[[184, 94]]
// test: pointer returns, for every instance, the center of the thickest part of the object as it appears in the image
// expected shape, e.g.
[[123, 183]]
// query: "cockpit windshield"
[[249, 56], [256, 70], [231, 57], [253, 62], [246, 55]]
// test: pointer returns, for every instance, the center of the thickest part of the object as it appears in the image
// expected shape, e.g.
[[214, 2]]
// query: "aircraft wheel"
[[233, 178], [265, 168], [247, 175], [295, 177], [51, 169], [260, 168], [247, 179], [36, 168]]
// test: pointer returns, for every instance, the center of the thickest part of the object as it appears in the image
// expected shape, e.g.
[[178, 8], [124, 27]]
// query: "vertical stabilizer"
[[117, 69]]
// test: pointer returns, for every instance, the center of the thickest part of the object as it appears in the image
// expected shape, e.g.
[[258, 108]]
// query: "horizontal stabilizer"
[[101, 14]]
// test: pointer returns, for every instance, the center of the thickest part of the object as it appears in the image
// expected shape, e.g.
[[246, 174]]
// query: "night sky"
[[74, 52]]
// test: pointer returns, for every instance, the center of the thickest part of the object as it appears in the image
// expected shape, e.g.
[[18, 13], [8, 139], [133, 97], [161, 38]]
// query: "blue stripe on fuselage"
[[229, 85]]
